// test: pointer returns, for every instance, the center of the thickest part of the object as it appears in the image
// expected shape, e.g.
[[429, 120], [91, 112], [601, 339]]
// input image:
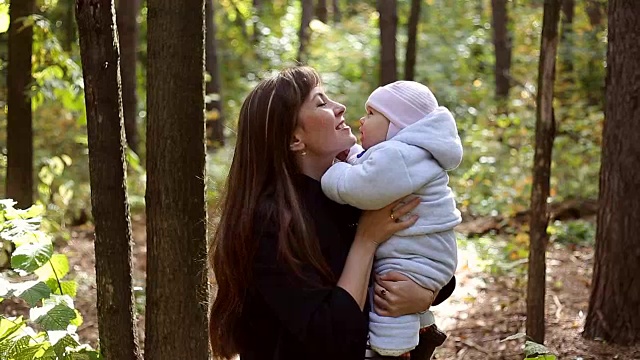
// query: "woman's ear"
[[296, 144]]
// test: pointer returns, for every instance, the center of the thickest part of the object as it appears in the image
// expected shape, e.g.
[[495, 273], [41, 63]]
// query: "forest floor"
[[486, 307]]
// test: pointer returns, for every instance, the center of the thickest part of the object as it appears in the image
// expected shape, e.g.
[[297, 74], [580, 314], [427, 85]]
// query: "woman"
[[292, 267]]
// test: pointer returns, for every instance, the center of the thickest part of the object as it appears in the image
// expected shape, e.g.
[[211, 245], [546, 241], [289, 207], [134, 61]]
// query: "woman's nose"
[[340, 109], [362, 121]]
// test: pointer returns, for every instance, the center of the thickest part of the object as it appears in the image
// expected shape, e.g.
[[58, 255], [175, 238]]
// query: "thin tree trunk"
[[107, 169], [322, 13], [176, 313], [304, 33], [566, 38], [257, 9], [388, 29], [69, 24], [19, 181], [596, 11], [615, 295], [502, 46], [128, 37], [337, 13], [215, 118], [410, 59], [545, 133]]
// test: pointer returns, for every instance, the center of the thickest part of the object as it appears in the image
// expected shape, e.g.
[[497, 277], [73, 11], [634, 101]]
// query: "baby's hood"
[[437, 133]]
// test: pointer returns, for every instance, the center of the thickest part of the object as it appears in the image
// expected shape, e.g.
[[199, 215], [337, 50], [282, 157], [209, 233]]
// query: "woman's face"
[[321, 127]]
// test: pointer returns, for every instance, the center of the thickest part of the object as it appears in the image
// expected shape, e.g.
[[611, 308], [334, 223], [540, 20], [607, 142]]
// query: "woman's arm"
[[374, 228]]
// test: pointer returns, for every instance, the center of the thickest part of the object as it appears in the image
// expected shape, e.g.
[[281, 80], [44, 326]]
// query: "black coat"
[[286, 317]]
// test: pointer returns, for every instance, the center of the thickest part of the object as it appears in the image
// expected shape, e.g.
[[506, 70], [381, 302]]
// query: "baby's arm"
[[381, 179]]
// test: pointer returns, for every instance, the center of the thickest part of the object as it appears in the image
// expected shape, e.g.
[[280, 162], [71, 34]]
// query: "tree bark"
[[19, 181], [566, 38], [107, 170], [502, 46], [545, 133], [175, 199], [322, 13], [215, 118], [304, 33], [337, 13], [410, 58], [128, 37], [388, 28], [615, 290]]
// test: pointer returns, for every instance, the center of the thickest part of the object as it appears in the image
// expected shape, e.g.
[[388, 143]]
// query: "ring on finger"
[[383, 292], [393, 217]]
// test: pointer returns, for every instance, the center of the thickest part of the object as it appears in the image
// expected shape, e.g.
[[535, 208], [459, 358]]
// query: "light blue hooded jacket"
[[413, 162]]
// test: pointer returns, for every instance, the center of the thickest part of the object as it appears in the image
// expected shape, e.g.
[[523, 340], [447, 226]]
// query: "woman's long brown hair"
[[262, 164]]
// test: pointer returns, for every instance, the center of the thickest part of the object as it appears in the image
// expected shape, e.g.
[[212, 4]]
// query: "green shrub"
[[38, 279]]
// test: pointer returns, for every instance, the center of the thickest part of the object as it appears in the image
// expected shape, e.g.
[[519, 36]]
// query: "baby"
[[410, 143]]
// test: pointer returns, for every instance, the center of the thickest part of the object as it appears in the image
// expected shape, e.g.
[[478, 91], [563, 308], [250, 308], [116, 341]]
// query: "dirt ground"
[[483, 310]]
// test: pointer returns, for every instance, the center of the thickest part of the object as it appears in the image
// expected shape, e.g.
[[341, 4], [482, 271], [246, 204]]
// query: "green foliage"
[[577, 232], [50, 331], [532, 350]]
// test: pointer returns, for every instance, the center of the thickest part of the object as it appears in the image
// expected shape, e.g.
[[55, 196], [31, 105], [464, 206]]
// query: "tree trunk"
[[410, 59], [19, 182], [176, 313], [67, 7], [128, 37], [591, 76], [107, 169], [304, 33], [545, 133], [502, 46], [388, 28], [215, 118], [257, 10], [337, 14], [615, 291], [596, 11], [566, 38], [322, 13]]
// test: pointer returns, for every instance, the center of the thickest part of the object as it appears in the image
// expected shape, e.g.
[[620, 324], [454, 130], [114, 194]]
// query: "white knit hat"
[[403, 103]]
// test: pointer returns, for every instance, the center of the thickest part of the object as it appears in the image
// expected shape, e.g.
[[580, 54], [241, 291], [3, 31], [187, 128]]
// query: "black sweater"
[[286, 317]]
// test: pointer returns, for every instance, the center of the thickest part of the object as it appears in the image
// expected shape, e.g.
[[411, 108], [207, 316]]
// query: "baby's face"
[[373, 128]]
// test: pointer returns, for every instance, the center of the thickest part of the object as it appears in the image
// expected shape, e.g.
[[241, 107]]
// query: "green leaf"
[[57, 266], [78, 320], [83, 352], [15, 346], [52, 315], [31, 291], [30, 352], [29, 257], [9, 327], [62, 343], [533, 349], [514, 337], [69, 287]]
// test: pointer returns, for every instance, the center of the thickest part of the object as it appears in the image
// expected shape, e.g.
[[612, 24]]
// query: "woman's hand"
[[377, 226], [401, 295]]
